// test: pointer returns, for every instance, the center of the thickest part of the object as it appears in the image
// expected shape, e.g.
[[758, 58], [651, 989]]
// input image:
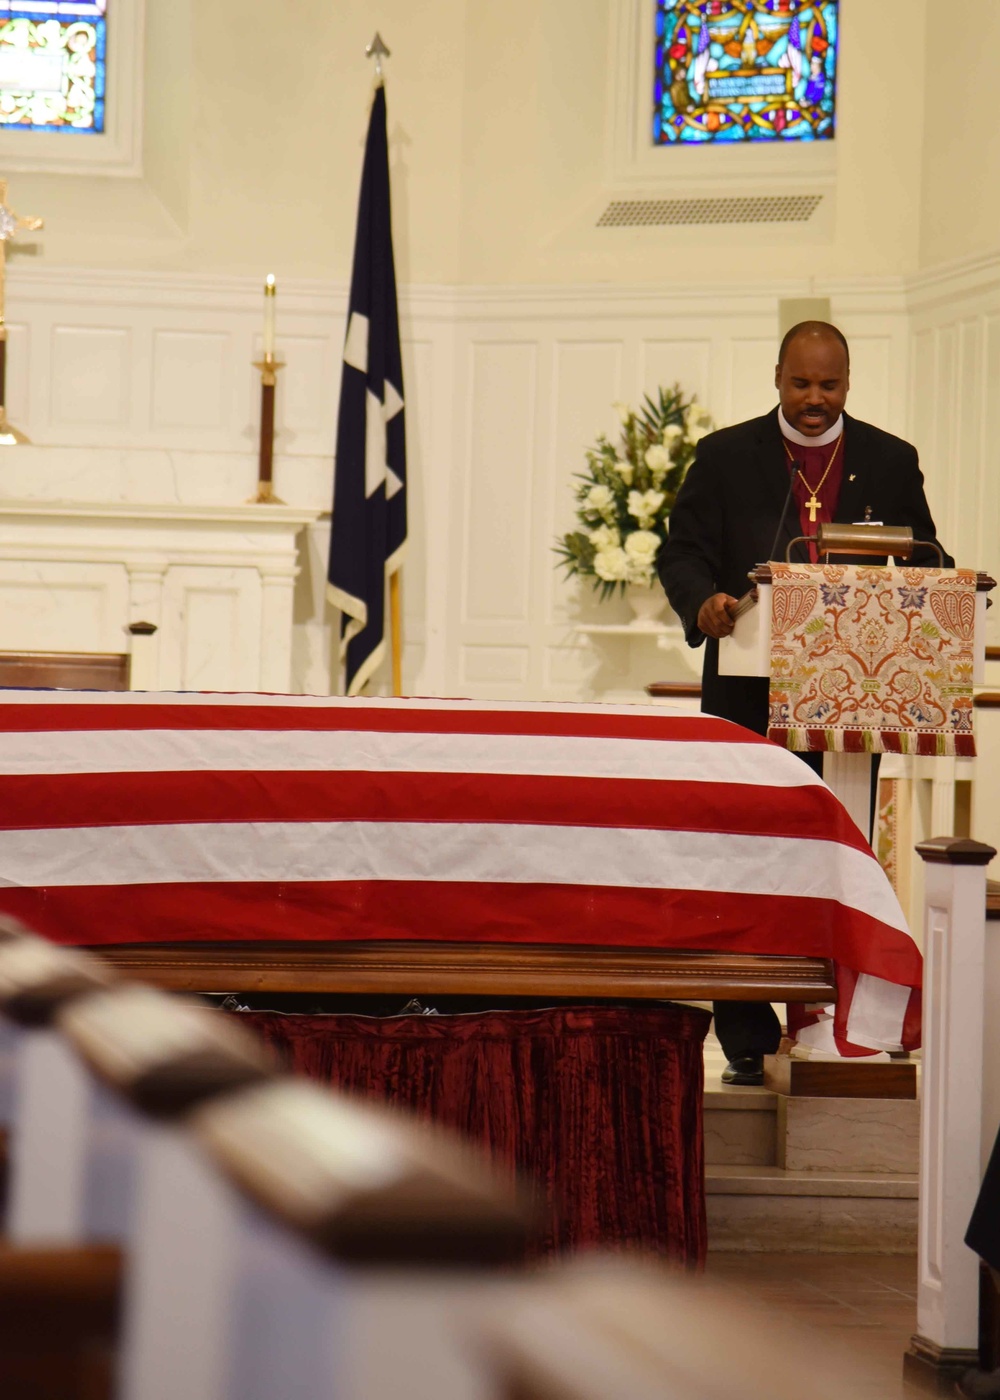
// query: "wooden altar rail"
[[70, 670], [474, 969]]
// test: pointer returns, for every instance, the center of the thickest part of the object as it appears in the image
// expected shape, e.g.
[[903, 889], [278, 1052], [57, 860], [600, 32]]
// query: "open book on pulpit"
[[863, 658]]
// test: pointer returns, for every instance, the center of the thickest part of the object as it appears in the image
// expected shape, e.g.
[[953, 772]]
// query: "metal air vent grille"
[[735, 209]]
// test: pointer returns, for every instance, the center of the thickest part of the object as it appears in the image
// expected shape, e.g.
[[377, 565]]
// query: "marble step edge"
[[723, 1180], [729, 1098]]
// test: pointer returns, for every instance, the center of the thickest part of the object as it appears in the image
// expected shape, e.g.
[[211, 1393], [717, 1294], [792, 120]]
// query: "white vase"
[[647, 603]]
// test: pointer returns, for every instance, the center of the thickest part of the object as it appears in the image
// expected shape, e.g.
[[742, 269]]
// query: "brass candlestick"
[[268, 367]]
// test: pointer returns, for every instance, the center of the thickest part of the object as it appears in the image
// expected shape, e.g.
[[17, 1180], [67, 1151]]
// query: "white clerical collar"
[[800, 439]]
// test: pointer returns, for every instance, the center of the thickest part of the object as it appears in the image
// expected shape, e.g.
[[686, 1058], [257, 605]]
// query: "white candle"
[[270, 292]]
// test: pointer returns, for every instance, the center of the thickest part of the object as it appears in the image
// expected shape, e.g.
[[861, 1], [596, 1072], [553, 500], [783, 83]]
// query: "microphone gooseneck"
[[793, 467]]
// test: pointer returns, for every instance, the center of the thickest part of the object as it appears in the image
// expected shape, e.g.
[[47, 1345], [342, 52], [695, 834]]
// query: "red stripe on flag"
[[41, 717], [138, 799], [352, 911]]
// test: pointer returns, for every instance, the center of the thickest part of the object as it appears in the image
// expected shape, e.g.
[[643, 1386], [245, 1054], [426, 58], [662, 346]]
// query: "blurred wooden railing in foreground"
[[211, 1228]]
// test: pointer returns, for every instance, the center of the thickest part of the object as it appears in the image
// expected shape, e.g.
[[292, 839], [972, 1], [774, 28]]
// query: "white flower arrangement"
[[625, 497]]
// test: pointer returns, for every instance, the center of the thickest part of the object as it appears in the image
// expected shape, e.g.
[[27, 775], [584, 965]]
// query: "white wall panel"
[[500, 465], [18, 358], [586, 380], [306, 410], [51, 606], [955, 369], [965, 474], [491, 665], [568, 670], [418, 369], [191, 379], [923, 396], [940, 463], [751, 385], [988, 543], [90, 376], [869, 398], [210, 629], [664, 363]]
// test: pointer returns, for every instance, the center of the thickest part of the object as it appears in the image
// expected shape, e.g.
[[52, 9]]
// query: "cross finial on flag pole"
[[377, 50]]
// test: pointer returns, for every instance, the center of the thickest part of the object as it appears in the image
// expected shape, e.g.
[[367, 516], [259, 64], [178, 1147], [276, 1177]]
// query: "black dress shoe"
[[748, 1069], [977, 1385]]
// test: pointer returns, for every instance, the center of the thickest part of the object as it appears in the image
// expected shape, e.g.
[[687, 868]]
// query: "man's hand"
[[715, 615]]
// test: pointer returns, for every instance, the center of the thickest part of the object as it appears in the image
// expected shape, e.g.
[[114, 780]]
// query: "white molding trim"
[[953, 281], [118, 149], [108, 287], [281, 517]]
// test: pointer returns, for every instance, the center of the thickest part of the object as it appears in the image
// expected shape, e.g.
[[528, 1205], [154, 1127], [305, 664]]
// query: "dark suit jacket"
[[726, 515]]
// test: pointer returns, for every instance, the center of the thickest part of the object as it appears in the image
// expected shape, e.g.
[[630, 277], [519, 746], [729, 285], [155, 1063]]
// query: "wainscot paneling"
[[38, 597], [90, 376], [139, 389], [955, 417], [191, 380], [497, 523]]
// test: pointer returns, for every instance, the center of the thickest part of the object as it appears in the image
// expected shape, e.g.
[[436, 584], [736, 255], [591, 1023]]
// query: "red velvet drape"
[[600, 1107]]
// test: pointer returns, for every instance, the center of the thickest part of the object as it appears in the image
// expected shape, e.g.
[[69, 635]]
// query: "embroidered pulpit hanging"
[[867, 659]]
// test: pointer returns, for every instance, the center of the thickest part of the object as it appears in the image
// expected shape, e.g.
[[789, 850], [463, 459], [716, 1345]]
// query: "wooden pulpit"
[[863, 659]]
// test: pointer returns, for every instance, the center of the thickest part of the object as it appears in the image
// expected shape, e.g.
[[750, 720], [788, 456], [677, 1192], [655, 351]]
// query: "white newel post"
[[946, 1340]]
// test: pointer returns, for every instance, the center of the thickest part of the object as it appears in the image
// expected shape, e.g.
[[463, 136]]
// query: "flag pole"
[[368, 531], [396, 634], [377, 49]]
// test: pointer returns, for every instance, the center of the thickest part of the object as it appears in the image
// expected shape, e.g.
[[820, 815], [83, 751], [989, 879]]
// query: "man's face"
[[812, 383]]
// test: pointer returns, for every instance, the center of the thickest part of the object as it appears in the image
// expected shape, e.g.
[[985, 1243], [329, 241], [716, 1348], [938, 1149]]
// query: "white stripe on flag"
[[877, 1007], [288, 750], [223, 699], [450, 851]]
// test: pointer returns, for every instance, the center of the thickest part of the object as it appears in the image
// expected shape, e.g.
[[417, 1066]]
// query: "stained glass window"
[[744, 70], [52, 64]]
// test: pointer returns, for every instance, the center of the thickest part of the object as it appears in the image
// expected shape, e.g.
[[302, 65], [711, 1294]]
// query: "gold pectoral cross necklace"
[[813, 502]]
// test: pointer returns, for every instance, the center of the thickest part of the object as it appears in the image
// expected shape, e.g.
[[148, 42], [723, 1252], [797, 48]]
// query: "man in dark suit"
[[751, 489]]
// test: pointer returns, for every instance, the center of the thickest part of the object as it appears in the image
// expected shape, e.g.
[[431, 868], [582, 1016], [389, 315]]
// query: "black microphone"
[[792, 469]]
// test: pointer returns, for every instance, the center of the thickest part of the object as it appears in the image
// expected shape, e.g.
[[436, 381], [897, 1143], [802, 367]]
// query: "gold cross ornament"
[[10, 225]]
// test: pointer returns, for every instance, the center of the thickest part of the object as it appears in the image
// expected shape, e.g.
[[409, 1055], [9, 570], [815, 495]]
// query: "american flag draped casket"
[[159, 818]]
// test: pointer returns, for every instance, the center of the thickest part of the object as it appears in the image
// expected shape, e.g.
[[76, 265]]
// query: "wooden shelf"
[[674, 690], [626, 629]]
